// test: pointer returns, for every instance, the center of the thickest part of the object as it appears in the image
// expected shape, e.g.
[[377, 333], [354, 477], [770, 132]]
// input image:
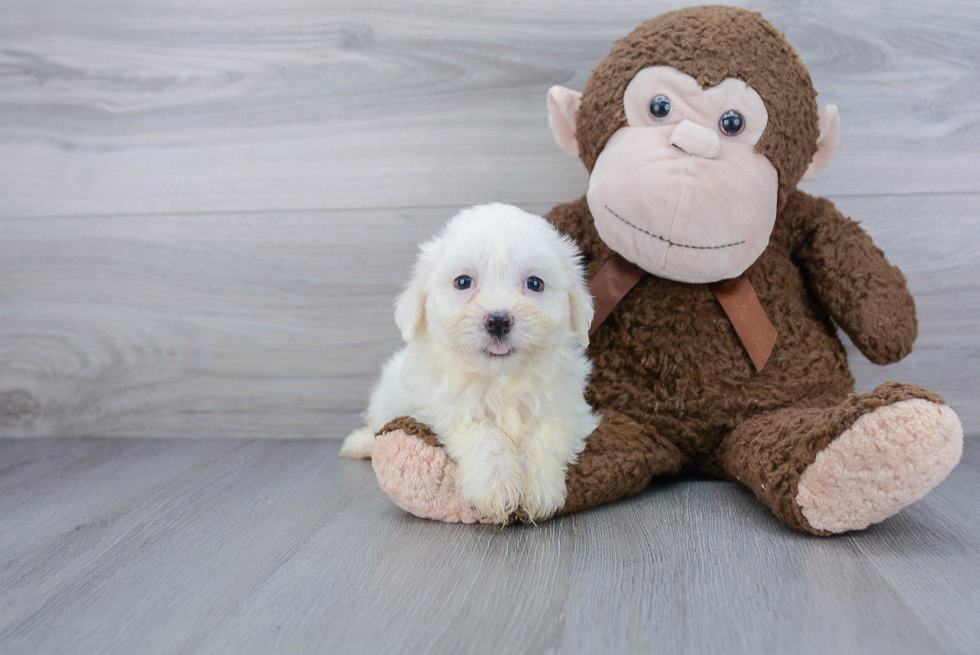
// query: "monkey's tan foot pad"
[[887, 460], [419, 479]]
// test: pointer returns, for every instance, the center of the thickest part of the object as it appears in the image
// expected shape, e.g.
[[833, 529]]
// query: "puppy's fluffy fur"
[[508, 407]]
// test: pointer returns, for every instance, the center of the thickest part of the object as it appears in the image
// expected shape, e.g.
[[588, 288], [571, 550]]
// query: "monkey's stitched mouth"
[[668, 241]]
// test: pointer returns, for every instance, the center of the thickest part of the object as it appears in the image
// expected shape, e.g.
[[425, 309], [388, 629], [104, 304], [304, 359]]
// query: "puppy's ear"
[[410, 306], [580, 302]]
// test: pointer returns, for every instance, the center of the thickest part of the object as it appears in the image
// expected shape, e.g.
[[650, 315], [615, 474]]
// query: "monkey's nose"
[[696, 140], [498, 324]]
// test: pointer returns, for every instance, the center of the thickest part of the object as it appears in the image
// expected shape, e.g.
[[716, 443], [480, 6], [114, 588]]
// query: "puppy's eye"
[[534, 284], [463, 282]]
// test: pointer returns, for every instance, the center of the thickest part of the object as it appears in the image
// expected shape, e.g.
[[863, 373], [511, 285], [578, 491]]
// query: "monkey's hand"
[[864, 294], [418, 475]]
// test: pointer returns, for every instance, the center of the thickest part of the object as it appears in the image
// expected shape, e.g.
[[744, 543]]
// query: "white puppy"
[[496, 317]]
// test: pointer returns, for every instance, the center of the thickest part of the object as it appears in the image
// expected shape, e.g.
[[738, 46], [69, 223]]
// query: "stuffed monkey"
[[719, 288]]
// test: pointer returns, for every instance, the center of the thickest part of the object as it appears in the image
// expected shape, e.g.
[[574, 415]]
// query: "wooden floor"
[[262, 546], [206, 210]]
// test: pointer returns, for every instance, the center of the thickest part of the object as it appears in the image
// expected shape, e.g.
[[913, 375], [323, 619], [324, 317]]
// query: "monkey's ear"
[[826, 142], [563, 105]]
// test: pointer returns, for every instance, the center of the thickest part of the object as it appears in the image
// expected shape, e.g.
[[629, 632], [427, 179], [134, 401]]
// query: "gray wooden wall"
[[206, 208]]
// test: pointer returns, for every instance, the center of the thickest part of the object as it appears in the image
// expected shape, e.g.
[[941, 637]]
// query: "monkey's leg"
[[417, 473], [619, 460], [830, 470]]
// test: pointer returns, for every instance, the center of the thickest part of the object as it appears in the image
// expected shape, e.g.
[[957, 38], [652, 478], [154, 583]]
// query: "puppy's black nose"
[[499, 324]]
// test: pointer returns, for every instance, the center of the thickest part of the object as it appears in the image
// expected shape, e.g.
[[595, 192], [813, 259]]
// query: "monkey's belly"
[[669, 358]]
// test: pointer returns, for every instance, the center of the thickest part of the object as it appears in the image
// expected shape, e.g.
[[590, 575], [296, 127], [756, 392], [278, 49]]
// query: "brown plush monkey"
[[721, 285]]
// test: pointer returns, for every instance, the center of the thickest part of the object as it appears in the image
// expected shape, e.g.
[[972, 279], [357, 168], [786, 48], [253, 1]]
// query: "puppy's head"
[[497, 286]]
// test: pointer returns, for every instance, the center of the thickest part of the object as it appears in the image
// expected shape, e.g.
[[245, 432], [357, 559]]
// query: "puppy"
[[496, 317]]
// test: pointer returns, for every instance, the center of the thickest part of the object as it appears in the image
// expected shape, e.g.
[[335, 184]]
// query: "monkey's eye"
[[731, 123], [534, 284], [660, 107], [463, 282]]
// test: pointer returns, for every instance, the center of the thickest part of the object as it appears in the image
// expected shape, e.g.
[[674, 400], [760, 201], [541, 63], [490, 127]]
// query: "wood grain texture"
[[168, 106], [276, 325], [170, 264], [265, 546]]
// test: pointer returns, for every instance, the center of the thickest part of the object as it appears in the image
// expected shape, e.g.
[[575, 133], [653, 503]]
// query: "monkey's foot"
[[887, 460], [419, 479]]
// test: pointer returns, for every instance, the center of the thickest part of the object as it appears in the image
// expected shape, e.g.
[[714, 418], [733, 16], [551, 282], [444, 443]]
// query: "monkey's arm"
[[865, 295]]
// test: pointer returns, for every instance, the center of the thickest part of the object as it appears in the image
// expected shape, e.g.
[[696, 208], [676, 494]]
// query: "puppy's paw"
[[542, 497], [544, 461], [494, 490], [421, 479], [498, 504], [358, 444]]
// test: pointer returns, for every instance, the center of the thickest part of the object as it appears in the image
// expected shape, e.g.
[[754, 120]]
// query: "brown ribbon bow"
[[736, 296]]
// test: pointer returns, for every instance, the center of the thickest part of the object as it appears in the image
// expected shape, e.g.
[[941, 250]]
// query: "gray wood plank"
[[167, 556], [280, 546], [184, 106], [917, 555], [707, 566], [240, 325], [79, 477], [276, 324]]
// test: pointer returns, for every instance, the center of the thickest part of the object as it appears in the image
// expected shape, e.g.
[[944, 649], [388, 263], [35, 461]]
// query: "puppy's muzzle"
[[498, 324]]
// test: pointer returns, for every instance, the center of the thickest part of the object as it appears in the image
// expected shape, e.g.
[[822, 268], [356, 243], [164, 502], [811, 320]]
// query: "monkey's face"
[[695, 128], [681, 191]]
